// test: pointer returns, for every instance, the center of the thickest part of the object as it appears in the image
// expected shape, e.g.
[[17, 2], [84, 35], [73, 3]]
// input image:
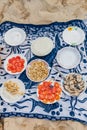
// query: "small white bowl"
[[73, 35], [42, 46], [11, 56], [30, 65], [7, 97], [68, 57], [15, 36]]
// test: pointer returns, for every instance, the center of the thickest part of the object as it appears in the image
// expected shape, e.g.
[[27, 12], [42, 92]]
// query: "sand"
[[41, 12]]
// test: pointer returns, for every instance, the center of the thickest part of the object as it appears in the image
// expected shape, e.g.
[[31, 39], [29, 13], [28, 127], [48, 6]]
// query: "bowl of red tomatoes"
[[15, 64], [49, 92]]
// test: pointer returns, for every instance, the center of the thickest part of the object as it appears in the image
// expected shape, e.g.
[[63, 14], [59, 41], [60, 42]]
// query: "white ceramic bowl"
[[68, 57], [11, 56], [41, 46], [15, 36], [7, 97], [73, 35]]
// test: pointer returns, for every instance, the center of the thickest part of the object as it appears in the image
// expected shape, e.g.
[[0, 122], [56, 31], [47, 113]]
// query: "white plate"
[[15, 36], [6, 96], [9, 57], [66, 92], [68, 57], [41, 46], [73, 35]]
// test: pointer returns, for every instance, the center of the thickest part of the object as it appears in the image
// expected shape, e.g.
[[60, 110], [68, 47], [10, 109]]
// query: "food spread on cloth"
[[43, 71], [38, 70]]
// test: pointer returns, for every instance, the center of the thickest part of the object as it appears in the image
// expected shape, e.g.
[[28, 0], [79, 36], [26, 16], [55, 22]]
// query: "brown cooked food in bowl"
[[37, 70], [74, 84], [12, 88]]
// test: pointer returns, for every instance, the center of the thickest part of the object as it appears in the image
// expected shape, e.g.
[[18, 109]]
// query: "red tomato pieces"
[[15, 64], [48, 94]]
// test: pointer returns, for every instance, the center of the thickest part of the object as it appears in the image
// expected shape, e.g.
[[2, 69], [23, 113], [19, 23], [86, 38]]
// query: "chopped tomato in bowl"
[[15, 64], [49, 92]]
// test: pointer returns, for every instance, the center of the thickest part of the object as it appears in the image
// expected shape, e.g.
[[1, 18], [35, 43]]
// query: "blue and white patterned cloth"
[[68, 108]]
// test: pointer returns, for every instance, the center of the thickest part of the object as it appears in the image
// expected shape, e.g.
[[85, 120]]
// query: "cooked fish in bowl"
[[74, 84]]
